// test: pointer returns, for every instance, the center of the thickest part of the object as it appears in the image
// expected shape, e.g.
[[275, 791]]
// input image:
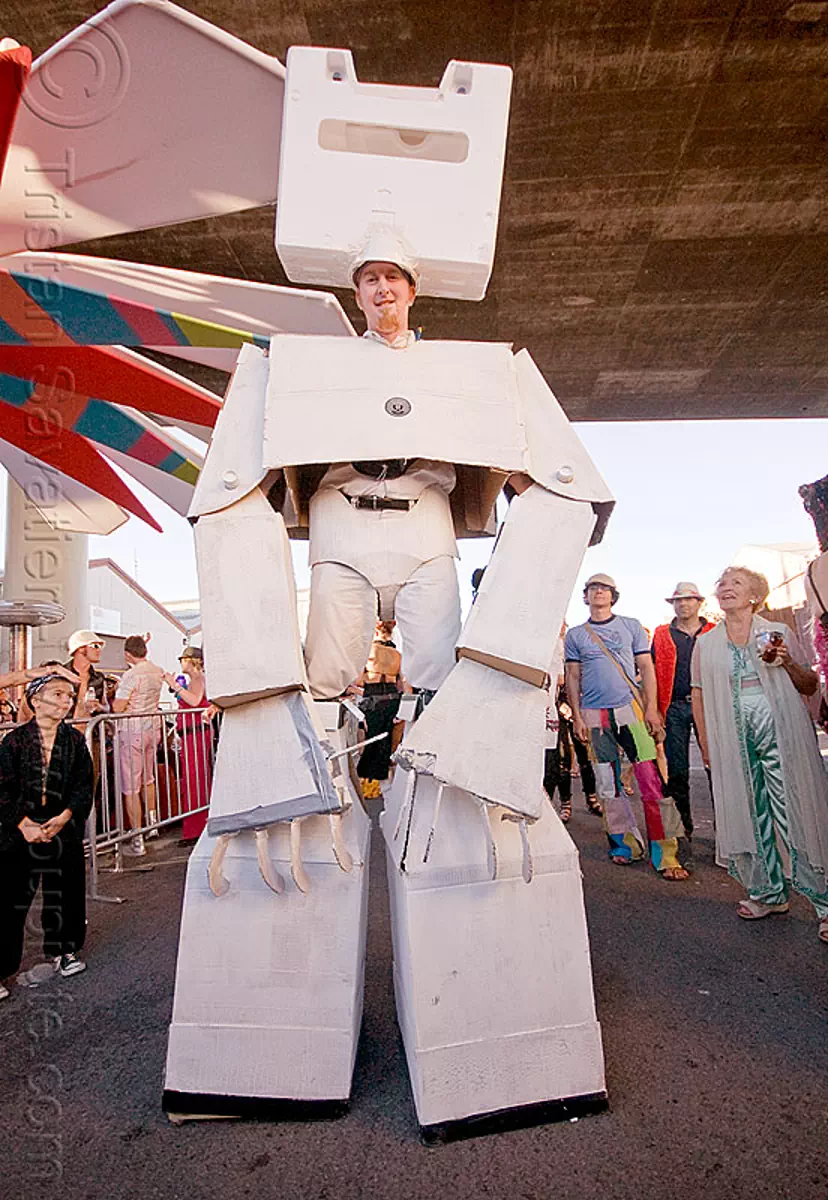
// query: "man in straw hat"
[[673, 647]]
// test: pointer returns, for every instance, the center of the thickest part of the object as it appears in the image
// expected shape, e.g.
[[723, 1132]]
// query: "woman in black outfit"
[[46, 783]]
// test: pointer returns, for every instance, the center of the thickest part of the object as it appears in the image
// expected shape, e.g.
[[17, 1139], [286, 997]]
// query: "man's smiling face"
[[384, 294]]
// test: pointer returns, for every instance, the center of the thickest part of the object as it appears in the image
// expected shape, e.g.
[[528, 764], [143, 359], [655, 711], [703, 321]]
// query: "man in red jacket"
[[672, 650]]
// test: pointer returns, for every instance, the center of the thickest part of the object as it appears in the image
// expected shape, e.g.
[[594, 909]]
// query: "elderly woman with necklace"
[[45, 799], [770, 787]]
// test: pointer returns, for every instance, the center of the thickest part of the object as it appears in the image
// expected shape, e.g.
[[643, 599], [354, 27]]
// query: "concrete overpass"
[[663, 244]]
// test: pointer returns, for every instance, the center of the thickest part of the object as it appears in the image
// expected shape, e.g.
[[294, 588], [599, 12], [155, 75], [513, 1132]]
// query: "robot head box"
[[391, 172], [323, 400]]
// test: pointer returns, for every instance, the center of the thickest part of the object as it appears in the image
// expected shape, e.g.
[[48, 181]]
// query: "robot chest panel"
[[340, 400]]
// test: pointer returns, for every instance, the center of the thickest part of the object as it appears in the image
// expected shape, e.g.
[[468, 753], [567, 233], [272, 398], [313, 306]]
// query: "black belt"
[[380, 503]]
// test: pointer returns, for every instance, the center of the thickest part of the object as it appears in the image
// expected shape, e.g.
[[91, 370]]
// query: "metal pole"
[[91, 825], [19, 642]]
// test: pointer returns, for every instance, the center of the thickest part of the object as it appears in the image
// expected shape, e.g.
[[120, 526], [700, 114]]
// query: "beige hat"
[[606, 580], [684, 591], [83, 637]]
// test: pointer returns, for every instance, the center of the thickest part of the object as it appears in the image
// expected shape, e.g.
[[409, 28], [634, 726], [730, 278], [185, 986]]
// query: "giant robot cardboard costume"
[[486, 894]]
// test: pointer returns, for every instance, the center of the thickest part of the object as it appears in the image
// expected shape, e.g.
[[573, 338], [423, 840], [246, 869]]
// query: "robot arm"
[[272, 743], [497, 693]]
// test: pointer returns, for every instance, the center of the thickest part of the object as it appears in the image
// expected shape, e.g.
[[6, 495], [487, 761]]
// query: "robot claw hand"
[[219, 884]]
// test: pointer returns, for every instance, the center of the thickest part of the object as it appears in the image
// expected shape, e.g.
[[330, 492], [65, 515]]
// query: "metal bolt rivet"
[[398, 406]]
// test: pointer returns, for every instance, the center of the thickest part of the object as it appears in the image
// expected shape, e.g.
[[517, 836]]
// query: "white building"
[[119, 607]]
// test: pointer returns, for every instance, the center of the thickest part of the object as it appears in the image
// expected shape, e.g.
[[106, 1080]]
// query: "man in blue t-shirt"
[[609, 712]]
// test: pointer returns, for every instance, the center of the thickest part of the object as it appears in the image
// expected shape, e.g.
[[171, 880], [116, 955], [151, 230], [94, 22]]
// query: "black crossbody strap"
[[823, 616]]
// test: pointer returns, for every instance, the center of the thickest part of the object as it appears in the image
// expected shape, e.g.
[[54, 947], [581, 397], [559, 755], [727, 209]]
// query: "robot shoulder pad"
[[233, 466], [556, 457]]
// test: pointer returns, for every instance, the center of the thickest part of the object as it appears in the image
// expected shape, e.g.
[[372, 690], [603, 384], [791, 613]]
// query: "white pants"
[[343, 615]]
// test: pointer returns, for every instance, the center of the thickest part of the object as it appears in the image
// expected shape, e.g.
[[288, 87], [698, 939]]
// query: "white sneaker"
[[4, 992], [135, 846], [39, 973]]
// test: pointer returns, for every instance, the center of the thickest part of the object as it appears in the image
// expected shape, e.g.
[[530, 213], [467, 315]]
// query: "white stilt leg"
[[491, 955], [492, 977], [268, 990]]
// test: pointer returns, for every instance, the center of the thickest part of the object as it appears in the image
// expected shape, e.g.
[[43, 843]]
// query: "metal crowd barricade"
[[169, 754]]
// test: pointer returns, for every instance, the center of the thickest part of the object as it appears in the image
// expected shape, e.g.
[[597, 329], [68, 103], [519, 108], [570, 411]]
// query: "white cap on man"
[[384, 244], [684, 590], [83, 637]]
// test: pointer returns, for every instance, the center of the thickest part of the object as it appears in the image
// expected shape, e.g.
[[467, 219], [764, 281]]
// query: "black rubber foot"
[[252, 1108], [545, 1113]]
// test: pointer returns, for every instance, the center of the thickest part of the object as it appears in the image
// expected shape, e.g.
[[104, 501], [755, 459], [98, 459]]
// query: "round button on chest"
[[398, 406]]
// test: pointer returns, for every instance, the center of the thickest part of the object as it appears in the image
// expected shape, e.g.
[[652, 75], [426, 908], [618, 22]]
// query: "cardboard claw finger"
[[410, 783], [491, 845], [528, 868], [300, 877], [219, 886], [269, 873], [440, 790], [341, 852]]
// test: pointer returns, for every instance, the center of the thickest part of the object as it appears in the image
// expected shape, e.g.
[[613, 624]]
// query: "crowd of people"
[[740, 685], [49, 779], [624, 707]]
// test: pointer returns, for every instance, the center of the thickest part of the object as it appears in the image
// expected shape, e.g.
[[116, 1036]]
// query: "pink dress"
[[195, 765]]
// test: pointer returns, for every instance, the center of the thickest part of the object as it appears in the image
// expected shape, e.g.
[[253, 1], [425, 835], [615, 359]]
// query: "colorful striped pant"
[[611, 731]]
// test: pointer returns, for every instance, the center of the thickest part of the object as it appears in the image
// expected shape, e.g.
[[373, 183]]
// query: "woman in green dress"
[[769, 782]]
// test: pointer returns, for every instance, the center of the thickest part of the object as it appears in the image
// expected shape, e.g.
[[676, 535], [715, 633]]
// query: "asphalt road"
[[714, 1032]]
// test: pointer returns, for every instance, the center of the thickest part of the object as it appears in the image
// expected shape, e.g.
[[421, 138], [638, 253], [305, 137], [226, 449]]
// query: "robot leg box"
[[492, 975], [268, 991]]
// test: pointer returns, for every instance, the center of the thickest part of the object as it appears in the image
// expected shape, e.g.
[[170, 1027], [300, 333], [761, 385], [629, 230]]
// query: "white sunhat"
[[83, 637]]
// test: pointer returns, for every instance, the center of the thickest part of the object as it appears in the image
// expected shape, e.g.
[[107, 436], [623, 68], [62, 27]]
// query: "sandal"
[[822, 931], [675, 874], [755, 910], [566, 811], [621, 860], [594, 806]]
